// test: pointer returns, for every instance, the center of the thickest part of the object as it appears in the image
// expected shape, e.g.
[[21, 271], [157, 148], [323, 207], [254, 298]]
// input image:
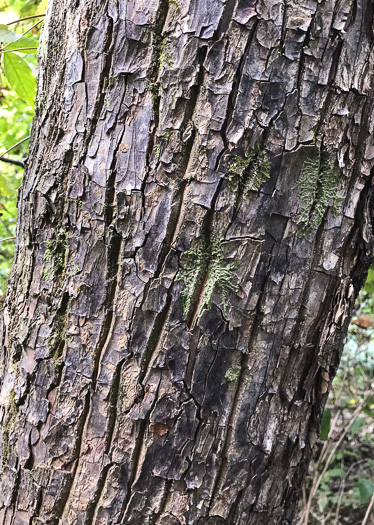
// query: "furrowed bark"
[[116, 407]]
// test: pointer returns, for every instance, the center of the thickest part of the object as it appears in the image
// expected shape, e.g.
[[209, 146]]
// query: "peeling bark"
[[117, 408]]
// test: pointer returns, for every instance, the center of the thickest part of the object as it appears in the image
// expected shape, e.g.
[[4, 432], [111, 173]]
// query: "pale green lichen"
[[206, 266], [249, 173], [232, 375], [318, 186]]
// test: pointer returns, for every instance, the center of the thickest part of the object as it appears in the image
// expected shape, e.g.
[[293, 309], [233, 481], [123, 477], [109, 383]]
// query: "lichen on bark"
[[204, 271]]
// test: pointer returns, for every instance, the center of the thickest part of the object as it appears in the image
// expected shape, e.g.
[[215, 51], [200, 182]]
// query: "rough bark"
[[117, 408]]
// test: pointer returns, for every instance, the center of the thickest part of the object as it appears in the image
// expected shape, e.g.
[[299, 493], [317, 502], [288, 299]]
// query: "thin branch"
[[331, 455], [342, 488], [8, 239], [368, 510], [32, 27], [25, 18], [24, 33], [14, 146], [18, 49], [15, 162]]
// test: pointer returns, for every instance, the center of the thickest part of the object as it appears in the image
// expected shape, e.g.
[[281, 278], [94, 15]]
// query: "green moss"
[[73, 269], [110, 205], [164, 55], [12, 405], [5, 451], [205, 264], [56, 255], [194, 263], [157, 150], [78, 202], [232, 375], [249, 173], [318, 186], [153, 86], [161, 143]]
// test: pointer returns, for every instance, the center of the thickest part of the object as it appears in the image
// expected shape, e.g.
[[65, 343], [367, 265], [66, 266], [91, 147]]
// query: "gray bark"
[[116, 408]]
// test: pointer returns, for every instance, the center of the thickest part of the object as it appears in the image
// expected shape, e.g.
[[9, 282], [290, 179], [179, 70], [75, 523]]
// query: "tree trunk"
[[141, 384]]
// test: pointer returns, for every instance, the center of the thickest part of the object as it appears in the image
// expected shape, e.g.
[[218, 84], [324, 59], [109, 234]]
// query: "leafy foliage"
[[17, 93], [318, 185], [24, 7], [341, 481], [10, 179], [249, 173], [205, 265], [20, 77]]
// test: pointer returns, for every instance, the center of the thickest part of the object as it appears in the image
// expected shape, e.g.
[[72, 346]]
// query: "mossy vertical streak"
[[318, 186], [249, 173], [204, 269]]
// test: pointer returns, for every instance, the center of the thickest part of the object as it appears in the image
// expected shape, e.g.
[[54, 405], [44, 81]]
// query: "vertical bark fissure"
[[74, 464], [165, 497], [103, 84], [245, 357], [367, 111], [111, 279], [225, 19], [136, 463], [182, 187], [161, 17], [234, 90], [154, 341]]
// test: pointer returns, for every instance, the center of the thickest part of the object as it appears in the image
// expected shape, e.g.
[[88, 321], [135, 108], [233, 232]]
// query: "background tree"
[[195, 224]]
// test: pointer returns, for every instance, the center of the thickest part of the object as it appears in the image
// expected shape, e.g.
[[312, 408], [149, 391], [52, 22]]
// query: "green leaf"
[[369, 285], [4, 186], [366, 489], [42, 7], [357, 425], [336, 472], [20, 77], [6, 35], [24, 42], [29, 7], [326, 424]]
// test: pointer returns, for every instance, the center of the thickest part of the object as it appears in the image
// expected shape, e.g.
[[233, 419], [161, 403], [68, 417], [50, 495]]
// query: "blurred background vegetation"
[[340, 486], [19, 42]]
